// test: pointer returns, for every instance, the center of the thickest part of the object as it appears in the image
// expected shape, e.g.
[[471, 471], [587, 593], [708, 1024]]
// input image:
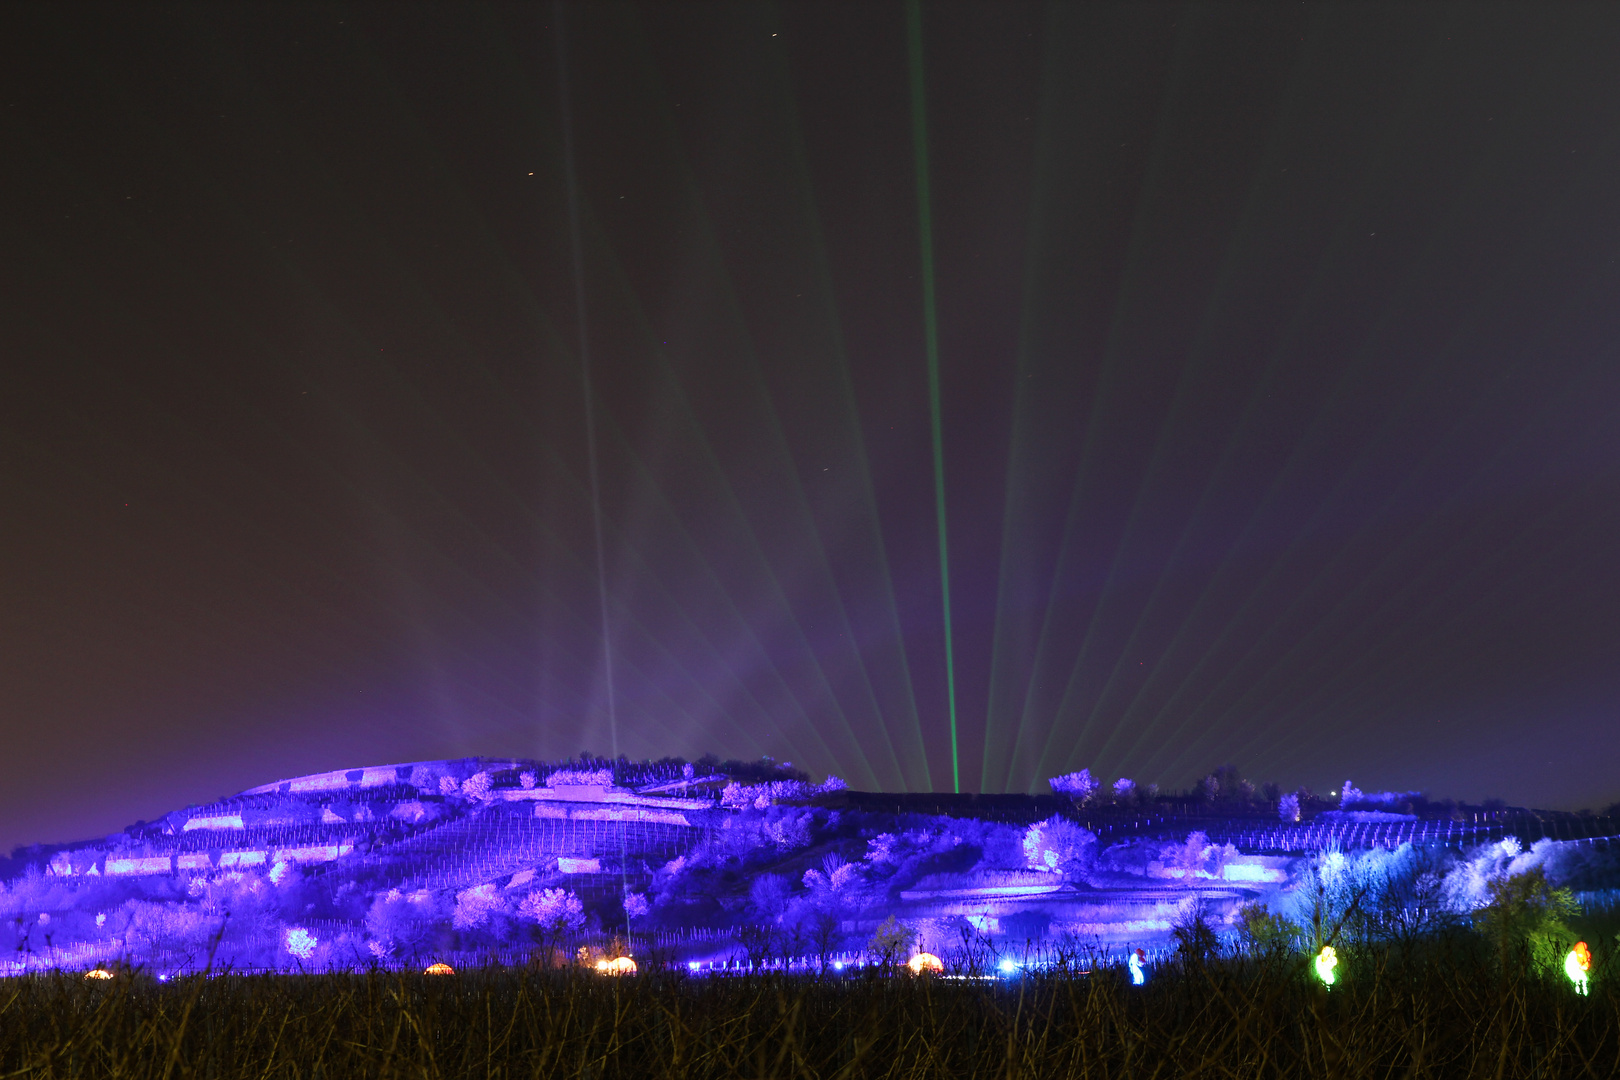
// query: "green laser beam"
[[925, 240]]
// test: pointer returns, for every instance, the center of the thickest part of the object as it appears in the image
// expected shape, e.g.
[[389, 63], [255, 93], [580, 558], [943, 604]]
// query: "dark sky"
[[1279, 353]]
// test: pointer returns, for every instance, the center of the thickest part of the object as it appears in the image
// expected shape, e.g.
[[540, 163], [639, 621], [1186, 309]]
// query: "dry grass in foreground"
[[1442, 1017]]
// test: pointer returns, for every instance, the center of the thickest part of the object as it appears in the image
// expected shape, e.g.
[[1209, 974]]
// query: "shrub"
[[891, 943], [580, 778], [1196, 941], [1526, 919], [1264, 932]]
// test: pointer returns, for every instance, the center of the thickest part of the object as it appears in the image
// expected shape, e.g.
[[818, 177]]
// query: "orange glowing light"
[[439, 969], [926, 961], [98, 973], [1583, 955], [622, 965]]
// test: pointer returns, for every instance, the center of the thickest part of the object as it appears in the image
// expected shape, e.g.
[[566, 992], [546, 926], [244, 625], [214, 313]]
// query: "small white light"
[[1008, 967]]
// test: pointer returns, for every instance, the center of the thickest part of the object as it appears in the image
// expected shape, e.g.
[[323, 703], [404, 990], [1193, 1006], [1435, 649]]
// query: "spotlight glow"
[[926, 962], [620, 965], [1578, 966], [1326, 961]]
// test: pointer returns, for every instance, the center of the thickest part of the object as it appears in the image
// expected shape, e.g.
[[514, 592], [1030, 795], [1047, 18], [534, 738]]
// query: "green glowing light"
[[1326, 961], [925, 236]]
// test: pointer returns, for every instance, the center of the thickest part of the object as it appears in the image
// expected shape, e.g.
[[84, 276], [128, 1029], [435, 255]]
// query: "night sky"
[[1279, 367]]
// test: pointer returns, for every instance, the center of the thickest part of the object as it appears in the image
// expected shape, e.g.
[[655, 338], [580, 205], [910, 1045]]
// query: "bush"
[[1527, 919], [891, 943], [1263, 932], [1196, 941]]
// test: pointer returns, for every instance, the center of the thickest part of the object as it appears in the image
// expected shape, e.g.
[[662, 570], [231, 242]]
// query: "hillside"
[[715, 862]]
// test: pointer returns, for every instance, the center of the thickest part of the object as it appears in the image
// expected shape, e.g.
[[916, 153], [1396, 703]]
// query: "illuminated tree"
[[477, 787], [1059, 844], [301, 943], [1079, 786], [790, 829], [1192, 855], [400, 920], [476, 906], [1288, 807], [555, 911], [768, 895]]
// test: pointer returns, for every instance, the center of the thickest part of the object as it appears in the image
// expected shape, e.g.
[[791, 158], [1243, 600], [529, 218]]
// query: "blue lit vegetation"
[[730, 867]]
